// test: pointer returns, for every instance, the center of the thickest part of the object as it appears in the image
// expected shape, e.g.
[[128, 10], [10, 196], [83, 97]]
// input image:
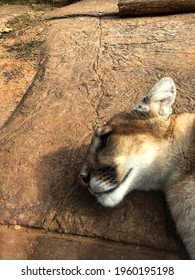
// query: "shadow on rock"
[[56, 178]]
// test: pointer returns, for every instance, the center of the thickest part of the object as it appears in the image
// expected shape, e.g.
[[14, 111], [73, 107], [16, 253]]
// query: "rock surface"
[[90, 68], [37, 244]]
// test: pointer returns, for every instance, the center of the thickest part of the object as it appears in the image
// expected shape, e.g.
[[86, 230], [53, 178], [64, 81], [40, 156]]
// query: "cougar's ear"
[[159, 100]]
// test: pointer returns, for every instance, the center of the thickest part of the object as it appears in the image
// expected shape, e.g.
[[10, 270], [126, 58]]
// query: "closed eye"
[[103, 141]]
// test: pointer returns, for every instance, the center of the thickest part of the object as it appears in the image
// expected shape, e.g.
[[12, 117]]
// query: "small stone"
[[17, 227], [7, 30]]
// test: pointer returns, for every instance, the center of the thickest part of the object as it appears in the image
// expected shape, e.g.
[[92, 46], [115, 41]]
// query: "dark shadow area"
[[62, 3], [56, 177], [172, 231]]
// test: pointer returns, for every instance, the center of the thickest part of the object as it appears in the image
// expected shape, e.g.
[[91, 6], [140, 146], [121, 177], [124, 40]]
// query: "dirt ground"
[[22, 31]]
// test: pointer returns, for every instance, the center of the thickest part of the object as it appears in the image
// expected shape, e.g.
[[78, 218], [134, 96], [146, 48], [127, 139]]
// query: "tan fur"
[[147, 148]]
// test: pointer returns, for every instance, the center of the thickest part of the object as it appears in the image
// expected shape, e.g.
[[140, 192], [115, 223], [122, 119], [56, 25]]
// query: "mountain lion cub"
[[147, 148]]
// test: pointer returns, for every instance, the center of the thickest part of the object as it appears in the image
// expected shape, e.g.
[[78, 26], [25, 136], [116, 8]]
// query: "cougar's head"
[[124, 153]]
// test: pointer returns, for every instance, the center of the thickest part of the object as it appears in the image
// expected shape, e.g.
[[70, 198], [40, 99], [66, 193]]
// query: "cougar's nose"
[[84, 181]]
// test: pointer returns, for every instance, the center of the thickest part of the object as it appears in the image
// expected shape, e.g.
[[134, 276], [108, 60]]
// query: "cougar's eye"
[[103, 141]]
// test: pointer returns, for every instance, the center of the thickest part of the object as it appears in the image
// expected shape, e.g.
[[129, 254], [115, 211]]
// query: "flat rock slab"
[[37, 244], [90, 68]]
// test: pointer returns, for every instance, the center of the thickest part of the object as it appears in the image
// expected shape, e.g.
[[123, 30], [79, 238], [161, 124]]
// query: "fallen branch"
[[149, 7]]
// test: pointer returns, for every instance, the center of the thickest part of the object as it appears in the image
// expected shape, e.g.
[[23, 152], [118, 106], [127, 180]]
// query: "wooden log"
[[150, 7]]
